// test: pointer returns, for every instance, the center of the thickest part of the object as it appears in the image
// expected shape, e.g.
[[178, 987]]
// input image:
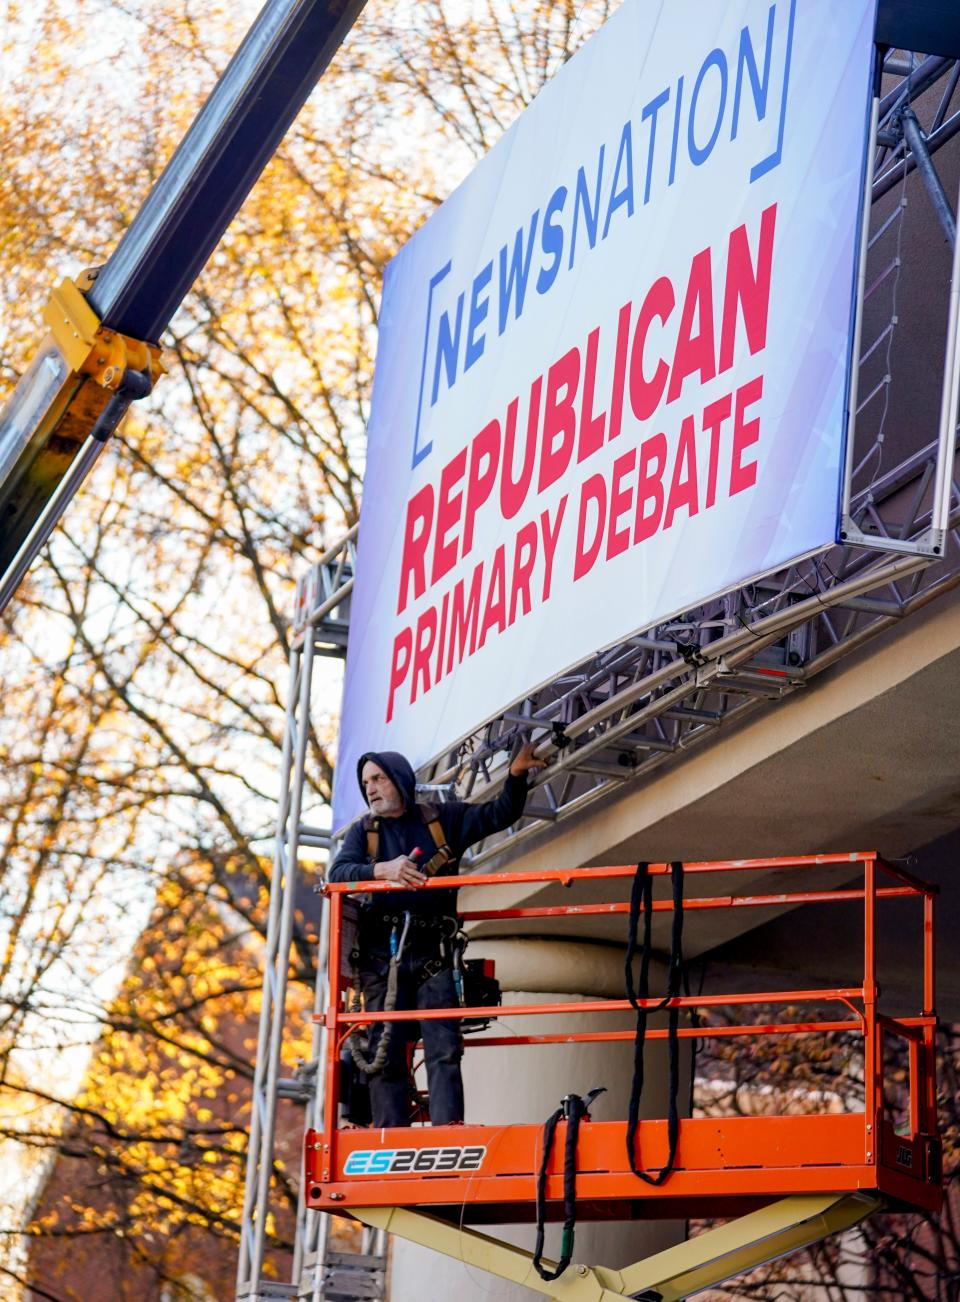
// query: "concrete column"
[[526, 1083]]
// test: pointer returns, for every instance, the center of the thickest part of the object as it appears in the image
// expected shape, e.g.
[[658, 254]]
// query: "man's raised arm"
[[478, 821]]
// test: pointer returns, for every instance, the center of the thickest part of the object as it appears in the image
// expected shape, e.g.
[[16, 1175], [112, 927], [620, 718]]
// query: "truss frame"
[[633, 708]]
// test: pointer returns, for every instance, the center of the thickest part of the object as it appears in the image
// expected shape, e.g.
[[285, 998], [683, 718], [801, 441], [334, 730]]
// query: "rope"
[[574, 1109], [374, 1065], [642, 894]]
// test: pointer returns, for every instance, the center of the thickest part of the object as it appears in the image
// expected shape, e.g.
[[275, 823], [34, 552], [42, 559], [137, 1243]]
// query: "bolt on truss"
[[630, 709]]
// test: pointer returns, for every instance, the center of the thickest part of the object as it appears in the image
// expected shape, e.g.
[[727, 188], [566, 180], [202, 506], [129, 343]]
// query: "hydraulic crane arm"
[[102, 352]]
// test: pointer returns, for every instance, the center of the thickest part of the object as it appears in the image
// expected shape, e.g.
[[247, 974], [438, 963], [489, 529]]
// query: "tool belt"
[[425, 933]]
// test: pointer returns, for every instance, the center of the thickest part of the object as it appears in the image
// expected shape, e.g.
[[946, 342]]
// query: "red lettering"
[[513, 492], [442, 639], [495, 612], [653, 452], [620, 370], [594, 491], [683, 488], [695, 352], [399, 665], [745, 433], [591, 426], [551, 535], [416, 534], [713, 418], [426, 636], [524, 556], [621, 499], [448, 516], [645, 394], [559, 418], [463, 618], [484, 459], [747, 287]]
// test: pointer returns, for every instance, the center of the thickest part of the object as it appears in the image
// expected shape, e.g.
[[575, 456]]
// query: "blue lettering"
[[625, 196], [380, 1162], [478, 314], [582, 202], [748, 59], [715, 59], [650, 111], [551, 239], [448, 350], [676, 134], [517, 274], [356, 1163], [773, 159]]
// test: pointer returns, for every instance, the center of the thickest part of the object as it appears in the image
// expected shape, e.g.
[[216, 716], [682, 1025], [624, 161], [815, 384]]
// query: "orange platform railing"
[[724, 1165]]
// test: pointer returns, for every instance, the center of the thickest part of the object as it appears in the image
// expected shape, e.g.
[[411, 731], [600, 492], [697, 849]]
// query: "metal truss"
[[319, 1272], [633, 708], [898, 144]]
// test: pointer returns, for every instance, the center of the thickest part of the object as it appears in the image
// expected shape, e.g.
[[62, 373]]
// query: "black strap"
[[373, 1066], [642, 894], [574, 1108]]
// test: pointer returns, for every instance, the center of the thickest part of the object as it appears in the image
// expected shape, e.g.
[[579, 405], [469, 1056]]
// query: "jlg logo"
[[396, 1161]]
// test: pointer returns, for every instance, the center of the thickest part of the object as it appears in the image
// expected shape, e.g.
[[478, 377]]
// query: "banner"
[[612, 367]]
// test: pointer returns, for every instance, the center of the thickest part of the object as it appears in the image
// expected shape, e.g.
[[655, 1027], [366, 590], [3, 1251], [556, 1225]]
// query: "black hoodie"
[[462, 825]]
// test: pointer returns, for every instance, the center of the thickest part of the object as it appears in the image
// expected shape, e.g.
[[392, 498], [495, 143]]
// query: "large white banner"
[[612, 367]]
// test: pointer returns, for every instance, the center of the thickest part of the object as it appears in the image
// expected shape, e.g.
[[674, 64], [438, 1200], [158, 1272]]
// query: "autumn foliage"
[[145, 660]]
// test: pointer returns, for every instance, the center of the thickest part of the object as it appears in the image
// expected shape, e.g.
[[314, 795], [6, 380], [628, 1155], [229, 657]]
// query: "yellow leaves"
[[142, 712]]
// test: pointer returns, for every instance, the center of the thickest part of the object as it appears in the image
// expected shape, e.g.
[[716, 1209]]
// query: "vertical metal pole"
[[940, 518], [917, 1086], [312, 1226], [260, 1103], [929, 1119], [287, 863], [929, 970], [853, 388], [331, 1092], [871, 1041]]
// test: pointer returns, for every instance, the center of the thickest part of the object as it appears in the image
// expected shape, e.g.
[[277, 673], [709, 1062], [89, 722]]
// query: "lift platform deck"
[[825, 1169]]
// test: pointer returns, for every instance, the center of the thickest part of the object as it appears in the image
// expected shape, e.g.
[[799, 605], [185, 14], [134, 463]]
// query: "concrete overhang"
[[866, 757]]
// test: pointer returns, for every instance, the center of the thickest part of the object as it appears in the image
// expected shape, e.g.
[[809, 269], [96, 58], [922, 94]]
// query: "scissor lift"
[[789, 1179]]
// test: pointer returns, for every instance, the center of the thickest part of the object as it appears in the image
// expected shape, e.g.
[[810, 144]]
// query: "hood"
[[397, 768]]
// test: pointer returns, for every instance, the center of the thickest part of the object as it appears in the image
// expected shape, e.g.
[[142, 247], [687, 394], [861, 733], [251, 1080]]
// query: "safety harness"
[[443, 856], [642, 894], [573, 1108], [431, 818]]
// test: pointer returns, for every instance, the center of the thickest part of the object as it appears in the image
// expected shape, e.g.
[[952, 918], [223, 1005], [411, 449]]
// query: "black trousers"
[[419, 986]]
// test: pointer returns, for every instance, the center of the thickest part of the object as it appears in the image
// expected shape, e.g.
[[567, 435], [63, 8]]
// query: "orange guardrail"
[[724, 1164]]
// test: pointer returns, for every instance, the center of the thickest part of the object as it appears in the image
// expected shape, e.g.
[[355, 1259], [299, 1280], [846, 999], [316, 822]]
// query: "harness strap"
[[372, 825], [574, 1108], [431, 818], [443, 855], [642, 894]]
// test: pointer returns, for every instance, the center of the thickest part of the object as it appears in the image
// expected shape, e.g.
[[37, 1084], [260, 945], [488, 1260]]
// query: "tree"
[[890, 1256], [144, 661]]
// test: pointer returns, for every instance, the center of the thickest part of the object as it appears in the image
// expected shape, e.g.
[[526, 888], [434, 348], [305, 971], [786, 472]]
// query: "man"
[[395, 842]]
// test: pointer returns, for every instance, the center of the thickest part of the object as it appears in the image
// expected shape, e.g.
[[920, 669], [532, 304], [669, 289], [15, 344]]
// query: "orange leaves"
[[145, 662]]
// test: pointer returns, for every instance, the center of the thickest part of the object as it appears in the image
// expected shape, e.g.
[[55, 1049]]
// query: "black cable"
[[574, 1108], [641, 894]]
